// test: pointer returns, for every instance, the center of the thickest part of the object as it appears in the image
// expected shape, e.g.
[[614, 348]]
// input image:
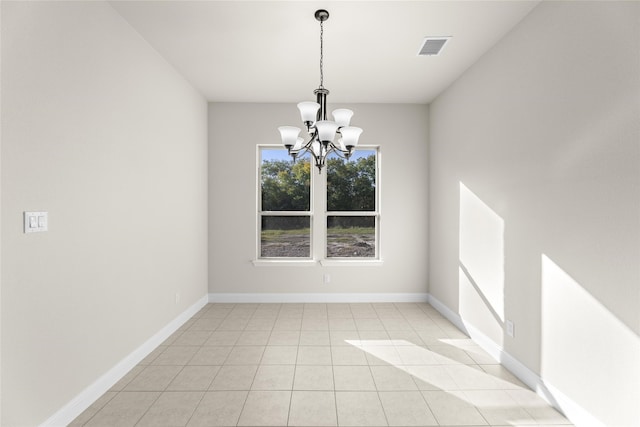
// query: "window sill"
[[312, 263], [350, 262], [284, 263]]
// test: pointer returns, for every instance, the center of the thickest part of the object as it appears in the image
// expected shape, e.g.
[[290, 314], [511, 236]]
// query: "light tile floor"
[[319, 365]]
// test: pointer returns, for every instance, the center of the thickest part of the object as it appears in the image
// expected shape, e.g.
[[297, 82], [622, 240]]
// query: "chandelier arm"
[[306, 147], [302, 151], [317, 160], [339, 152]]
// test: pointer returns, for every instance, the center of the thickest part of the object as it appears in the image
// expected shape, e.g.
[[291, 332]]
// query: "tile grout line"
[[253, 379], [183, 368], [414, 378], [293, 382], [294, 371], [333, 378], [425, 400], [147, 410], [208, 387], [384, 412]]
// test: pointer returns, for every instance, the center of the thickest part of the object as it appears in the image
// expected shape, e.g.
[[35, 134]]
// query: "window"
[[352, 213], [285, 205], [345, 224]]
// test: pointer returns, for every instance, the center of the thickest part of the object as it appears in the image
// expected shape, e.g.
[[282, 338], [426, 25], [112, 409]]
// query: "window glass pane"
[[285, 185], [351, 184], [285, 237], [351, 236]]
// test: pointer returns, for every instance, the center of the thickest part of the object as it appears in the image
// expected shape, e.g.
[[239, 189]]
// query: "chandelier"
[[325, 136]]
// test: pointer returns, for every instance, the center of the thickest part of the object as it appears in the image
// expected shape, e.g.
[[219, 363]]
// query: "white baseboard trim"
[[483, 341], [449, 314], [89, 395], [316, 297], [567, 406], [574, 412]]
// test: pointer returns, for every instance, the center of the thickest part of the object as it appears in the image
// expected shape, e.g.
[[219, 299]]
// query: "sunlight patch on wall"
[[481, 269], [587, 353]]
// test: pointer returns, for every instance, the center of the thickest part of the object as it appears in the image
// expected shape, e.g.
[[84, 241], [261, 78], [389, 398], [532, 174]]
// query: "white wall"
[[234, 132], [98, 130], [534, 168], [0, 222]]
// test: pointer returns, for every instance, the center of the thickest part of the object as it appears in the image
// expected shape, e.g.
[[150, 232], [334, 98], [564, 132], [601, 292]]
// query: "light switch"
[[35, 222]]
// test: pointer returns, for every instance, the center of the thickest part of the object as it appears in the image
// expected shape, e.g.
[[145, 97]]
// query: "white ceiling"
[[268, 51]]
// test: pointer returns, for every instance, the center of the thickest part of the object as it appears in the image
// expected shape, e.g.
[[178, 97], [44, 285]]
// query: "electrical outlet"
[[177, 297], [510, 329], [326, 278]]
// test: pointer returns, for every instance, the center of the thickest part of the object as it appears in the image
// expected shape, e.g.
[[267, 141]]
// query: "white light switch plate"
[[35, 222]]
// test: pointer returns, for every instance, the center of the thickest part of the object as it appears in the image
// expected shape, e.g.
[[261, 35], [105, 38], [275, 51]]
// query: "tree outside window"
[[286, 200], [285, 205], [352, 206]]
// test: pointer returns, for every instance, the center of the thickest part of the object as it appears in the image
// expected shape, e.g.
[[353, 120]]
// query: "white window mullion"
[[318, 213]]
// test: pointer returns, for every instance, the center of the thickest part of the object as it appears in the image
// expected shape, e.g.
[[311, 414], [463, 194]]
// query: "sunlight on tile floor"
[[378, 364]]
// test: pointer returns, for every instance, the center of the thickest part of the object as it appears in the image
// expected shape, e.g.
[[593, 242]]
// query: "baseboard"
[[483, 341], [449, 314], [316, 297], [568, 407], [574, 412], [89, 395]]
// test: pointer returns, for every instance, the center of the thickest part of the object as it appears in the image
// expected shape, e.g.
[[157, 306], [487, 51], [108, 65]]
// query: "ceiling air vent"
[[433, 46]]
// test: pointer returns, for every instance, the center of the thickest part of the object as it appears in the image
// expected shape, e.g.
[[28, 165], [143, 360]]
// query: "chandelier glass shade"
[[324, 136]]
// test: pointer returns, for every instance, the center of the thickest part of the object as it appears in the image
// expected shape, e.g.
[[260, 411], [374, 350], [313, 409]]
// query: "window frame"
[[374, 213], [318, 216], [261, 213]]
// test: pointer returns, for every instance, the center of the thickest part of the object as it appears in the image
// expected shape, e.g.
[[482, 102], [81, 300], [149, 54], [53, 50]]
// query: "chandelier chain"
[[321, 55]]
